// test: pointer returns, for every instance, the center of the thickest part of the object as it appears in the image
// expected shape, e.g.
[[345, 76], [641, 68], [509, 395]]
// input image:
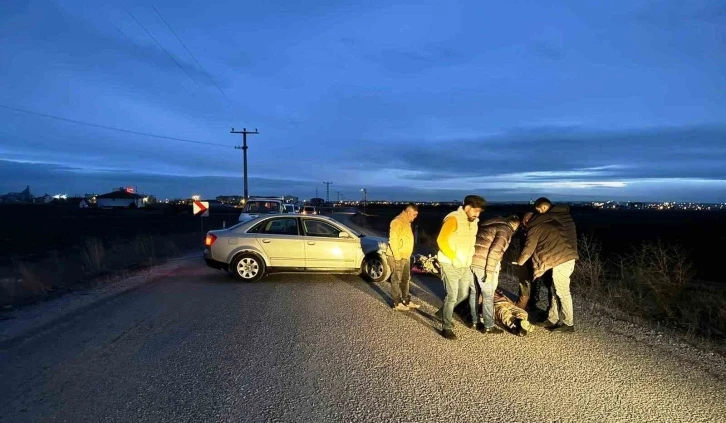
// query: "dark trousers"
[[400, 280], [530, 288]]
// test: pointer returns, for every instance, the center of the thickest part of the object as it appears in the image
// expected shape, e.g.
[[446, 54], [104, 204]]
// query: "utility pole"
[[338, 192], [365, 193], [243, 147], [327, 191]]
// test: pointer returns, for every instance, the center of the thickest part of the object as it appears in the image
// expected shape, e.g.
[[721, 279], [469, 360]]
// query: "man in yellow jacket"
[[400, 240], [456, 242]]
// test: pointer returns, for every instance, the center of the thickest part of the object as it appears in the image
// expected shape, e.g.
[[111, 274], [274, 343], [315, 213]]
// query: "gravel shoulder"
[[17, 324]]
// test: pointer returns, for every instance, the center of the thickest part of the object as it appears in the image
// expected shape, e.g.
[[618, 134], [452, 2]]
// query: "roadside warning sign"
[[200, 208]]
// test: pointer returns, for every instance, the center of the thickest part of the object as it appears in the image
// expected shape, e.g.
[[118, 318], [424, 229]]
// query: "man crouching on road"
[[492, 240], [456, 249], [400, 241]]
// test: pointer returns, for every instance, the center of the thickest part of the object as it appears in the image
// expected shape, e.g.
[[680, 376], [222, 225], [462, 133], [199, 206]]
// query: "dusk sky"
[[418, 100]]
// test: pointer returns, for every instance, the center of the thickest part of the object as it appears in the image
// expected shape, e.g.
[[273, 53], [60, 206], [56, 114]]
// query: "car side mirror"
[[344, 235]]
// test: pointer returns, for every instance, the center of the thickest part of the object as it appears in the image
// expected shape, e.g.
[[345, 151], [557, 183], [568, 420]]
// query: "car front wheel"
[[248, 268], [375, 269]]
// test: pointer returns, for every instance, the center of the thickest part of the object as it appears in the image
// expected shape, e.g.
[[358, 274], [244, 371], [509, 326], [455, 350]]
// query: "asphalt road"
[[196, 346]]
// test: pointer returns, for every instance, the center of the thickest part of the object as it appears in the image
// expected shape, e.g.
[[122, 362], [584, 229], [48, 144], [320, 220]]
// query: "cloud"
[[673, 13], [404, 99], [564, 161], [54, 178], [547, 50], [404, 60], [557, 153], [51, 178], [101, 57], [64, 179]]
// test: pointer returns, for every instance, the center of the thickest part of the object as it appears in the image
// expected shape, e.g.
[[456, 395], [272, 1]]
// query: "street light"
[[365, 192]]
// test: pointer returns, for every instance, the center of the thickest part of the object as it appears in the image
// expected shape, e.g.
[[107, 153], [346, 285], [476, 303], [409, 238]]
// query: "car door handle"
[[266, 241], [311, 242]]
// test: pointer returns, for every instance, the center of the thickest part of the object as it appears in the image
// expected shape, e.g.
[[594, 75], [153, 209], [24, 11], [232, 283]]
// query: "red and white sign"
[[200, 208]]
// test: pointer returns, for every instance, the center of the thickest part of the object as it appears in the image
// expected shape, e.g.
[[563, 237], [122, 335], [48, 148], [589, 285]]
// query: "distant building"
[[120, 199], [276, 197], [290, 199], [18, 197], [45, 199], [230, 199]]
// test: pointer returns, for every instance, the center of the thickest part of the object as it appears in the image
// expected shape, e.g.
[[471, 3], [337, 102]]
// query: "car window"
[[262, 207], [314, 227], [284, 226]]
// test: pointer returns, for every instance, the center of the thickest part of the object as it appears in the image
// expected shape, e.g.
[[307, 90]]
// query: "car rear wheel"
[[375, 269], [248, 267]]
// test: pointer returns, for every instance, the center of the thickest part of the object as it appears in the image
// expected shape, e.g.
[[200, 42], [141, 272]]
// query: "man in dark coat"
[[560, 212], [530, 287], [552, 245], [492, 240]]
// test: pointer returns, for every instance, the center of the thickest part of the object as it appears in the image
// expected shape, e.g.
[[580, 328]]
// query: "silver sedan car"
[[295, 243]]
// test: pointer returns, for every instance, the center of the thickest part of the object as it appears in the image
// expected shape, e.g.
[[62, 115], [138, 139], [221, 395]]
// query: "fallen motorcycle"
[[425, 265]]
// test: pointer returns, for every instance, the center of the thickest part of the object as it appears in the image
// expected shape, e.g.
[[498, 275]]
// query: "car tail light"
[[209, 240]]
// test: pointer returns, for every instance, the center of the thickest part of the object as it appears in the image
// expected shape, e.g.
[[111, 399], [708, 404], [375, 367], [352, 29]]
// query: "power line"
[[128, 131], [137, 47], [162, 47], [190, 53]]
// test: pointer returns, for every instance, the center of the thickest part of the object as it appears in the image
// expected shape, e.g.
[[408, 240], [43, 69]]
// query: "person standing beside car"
[[401, 241]]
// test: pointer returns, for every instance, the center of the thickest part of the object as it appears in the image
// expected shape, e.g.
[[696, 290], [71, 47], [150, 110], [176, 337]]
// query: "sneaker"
[[448, 334], [562, 328], [400, 307], [412, 305], [493, 330], [525, 327], [546, 324]]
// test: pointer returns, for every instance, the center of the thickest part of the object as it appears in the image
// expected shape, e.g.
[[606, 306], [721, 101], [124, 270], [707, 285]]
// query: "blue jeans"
[[487, 284], [456, 282]]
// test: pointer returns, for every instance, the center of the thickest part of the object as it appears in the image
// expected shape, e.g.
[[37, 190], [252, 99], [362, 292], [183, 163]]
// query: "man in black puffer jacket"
[[552, 244], [492, 240]]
